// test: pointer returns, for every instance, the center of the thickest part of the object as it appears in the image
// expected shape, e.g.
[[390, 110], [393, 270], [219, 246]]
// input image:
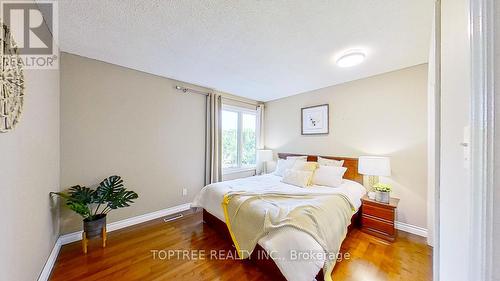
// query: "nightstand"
[[378, 218]]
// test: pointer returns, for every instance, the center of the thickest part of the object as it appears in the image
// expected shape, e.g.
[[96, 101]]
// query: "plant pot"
[[93, 228], [382, 196]]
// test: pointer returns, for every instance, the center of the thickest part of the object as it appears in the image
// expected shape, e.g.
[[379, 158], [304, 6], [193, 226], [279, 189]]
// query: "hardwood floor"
[[129, 256]]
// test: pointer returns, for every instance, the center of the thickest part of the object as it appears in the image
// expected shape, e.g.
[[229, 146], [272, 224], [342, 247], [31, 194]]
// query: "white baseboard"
[[413, 229], [76, 236], [51, 260]]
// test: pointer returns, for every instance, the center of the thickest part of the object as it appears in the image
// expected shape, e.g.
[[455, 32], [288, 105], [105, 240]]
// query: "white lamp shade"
[[264, 155], [374, 166]]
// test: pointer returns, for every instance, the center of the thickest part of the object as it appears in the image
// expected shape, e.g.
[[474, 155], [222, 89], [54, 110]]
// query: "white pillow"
[[283, 165], [297, 178], [329, 176], [330, 162], [298, 158]]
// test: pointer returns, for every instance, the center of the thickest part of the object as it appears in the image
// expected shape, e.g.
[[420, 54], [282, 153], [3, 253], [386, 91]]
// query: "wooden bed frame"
[[350, 163], [259, 256]]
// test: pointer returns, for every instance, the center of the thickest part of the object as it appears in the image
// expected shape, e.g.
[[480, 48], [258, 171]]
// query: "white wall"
[[381, 115], [455, 189], [115, 120], [29, 170]]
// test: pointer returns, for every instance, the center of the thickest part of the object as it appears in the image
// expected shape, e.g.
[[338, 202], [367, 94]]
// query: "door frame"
[[434, 139], [481, 22]]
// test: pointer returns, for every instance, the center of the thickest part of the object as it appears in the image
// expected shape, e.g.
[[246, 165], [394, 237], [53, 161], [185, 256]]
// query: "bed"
[[281, 242]]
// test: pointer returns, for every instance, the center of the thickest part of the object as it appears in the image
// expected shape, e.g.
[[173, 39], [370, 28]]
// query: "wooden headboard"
[[350, 163]]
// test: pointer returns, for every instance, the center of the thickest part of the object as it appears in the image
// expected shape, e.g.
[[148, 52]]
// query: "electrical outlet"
[[184, 191]]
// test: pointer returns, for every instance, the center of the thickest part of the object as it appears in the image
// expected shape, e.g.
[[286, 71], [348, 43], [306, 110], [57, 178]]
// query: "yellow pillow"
[[306, 167]]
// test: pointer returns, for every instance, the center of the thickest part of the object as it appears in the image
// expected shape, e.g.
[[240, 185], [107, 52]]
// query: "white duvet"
[[280, 242]]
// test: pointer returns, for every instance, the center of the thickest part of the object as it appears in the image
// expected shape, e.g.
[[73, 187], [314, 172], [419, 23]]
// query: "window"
[[238, 138]]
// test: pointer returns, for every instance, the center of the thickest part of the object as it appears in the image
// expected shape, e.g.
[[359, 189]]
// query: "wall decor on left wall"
[[12, 79]]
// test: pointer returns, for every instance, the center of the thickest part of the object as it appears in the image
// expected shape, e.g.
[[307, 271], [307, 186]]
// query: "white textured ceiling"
[[260, 49]]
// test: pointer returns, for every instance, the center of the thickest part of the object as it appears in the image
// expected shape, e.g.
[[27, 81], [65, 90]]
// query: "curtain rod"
[[240, 101], [185, 90]]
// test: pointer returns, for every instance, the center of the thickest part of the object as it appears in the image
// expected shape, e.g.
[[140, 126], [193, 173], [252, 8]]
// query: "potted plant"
[[94, 205], [382, 192]]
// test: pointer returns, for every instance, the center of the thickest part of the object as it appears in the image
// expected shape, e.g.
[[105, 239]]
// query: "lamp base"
[[372, 180], [263, 169]]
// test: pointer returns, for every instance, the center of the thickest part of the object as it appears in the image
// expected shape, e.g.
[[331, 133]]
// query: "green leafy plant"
[[382, 187], [92, 204]]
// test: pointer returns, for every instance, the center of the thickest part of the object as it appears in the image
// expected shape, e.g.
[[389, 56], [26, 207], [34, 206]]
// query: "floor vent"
[[172, 218]]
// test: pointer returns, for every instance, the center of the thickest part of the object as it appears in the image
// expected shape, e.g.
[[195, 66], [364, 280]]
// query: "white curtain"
[[260, 126], [213, 157], [260, 136]]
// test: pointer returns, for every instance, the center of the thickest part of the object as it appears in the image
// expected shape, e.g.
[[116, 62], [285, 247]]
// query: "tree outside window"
[[238, 138]]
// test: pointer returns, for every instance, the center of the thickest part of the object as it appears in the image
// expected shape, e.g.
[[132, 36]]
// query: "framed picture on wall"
[[315, 120]]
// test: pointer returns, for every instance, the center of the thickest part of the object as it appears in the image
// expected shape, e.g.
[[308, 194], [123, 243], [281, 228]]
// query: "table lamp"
[[373, 167], [263, 156]]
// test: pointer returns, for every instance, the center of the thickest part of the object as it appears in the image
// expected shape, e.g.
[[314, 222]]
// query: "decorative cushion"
[[305, 166], [297, 177], [328, 176], [330, 162], [283, 165]]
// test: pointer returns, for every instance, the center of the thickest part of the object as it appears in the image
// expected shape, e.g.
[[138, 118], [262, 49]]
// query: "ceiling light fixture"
[[351, 58]]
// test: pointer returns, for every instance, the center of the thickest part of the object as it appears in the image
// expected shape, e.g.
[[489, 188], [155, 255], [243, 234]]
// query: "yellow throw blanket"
[[250, 216]]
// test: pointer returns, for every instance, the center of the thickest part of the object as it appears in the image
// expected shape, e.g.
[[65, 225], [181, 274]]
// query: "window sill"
[[238, 170]]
